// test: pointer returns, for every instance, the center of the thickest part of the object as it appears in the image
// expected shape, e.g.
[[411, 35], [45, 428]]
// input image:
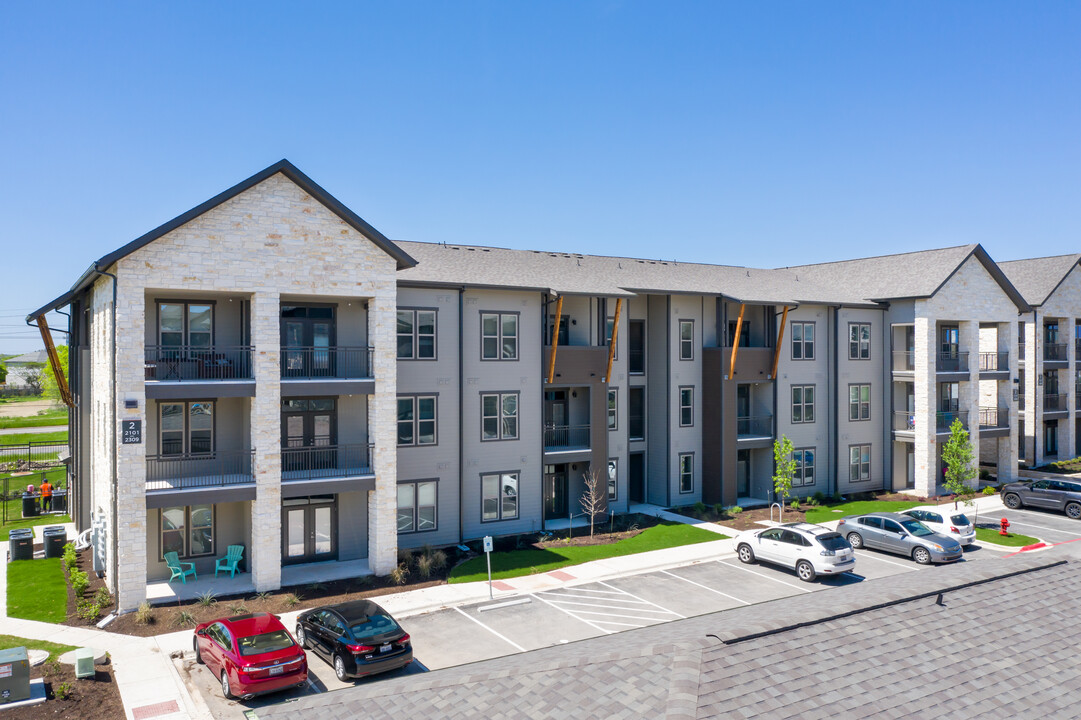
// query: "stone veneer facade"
[[270, 240]]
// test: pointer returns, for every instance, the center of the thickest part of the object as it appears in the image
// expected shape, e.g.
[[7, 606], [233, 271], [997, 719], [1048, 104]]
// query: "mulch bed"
[[98, 698]]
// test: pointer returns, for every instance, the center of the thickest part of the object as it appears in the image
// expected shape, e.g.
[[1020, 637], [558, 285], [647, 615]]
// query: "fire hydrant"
[[1005, 524]]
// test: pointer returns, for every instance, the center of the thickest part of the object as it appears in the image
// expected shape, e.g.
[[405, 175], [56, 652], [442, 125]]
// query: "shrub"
[[262, 596], [735, 510], [986, 475], [145, 614], [293, 599], [79, 581], [399, 574], [63, 691], [70, 558], [88, 610], [719, 509], [439, 560], [102, 597], [51, 668], [185, 619], [813, 501], [206, 599], [819, 497], [794, 505], [238, 609], [424, 565], [989, 490], [362, 581], [316, 587], [405, 557], [837, 498], [699, 507]]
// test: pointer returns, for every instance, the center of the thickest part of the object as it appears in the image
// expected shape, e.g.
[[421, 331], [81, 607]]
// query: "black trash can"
[[21, 543], [54, 537], [60, 501], [30, 505]]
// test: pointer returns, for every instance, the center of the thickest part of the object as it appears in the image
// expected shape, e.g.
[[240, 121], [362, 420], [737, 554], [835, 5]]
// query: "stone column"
[[266, 509], [925, 387], [382, 502], [969, 390]]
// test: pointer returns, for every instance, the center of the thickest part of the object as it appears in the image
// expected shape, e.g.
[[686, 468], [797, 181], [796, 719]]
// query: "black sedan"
[[357, 638]]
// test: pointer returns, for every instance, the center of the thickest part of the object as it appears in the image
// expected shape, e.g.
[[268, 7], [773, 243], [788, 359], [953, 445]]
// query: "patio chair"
[[177, 568], [230, 561]]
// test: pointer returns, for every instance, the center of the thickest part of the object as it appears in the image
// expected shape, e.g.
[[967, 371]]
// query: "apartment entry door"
[[555, 408], [307, 425], [743, 473], [637, 475], [910, 466], [307, 336], [309, 529], [555, 491]]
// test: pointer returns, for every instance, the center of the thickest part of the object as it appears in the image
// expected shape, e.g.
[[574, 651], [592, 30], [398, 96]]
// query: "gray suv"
[[899, 534], [1061, 495]]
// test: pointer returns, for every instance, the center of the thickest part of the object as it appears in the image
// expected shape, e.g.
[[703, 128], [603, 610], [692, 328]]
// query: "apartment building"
[[269, 370]]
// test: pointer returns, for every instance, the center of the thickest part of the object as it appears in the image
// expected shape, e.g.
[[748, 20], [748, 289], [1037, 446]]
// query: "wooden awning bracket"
[[555, 342], [780, 341], [735, 341], [54, 361], [612, 343]]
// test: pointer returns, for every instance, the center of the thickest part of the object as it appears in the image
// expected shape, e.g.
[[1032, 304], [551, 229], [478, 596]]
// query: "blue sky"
[[754, 133]]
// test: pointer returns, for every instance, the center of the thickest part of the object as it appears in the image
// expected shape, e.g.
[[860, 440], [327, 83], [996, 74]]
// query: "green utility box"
[[14, 675], [84, 663]]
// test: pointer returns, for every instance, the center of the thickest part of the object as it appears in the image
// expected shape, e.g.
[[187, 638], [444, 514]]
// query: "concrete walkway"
[[26, 430]]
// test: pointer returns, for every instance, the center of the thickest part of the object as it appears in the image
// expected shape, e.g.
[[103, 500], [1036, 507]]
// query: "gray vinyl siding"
[[232, 423], [687, 373], [863, 432], [658, 354], [617, 439], [352, 525]]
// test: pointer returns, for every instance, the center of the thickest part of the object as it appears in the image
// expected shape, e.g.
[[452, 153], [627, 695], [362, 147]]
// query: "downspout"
[[116, 489], [834, 449], [461, 416]]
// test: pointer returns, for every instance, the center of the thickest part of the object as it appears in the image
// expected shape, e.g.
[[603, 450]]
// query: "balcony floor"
[[161, 592]]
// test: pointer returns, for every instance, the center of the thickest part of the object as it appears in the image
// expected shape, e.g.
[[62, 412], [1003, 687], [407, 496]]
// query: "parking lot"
[[478, 631]]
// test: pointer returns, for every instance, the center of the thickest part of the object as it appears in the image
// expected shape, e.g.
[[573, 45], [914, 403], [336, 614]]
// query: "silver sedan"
[[899, 534]]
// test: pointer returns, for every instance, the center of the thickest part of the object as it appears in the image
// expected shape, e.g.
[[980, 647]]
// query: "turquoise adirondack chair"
[[230, 561], [177, 568]]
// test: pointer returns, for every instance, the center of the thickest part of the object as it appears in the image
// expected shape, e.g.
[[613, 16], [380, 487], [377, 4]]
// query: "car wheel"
[[1011, 500], [339, 669], [855, 540], [746, 555], [225, 689], [198, 655], [922, 556], [805, 571], [1073, 511], [302, 639]]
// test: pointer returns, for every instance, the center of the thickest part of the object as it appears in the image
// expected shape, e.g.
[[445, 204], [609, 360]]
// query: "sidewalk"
[[39, 429]]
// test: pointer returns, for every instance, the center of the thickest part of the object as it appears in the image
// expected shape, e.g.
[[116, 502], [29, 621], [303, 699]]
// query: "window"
[[416, 506], [613, 408], [1050, 437], [803, 403], [805, 466], [686, 472], [186, 428], [499, 416], [499, 336], [416, 420], [686, 339], [187, 531], [686, 406], [499, 496], [859, 402], [744, 333], [636, 338], [636, 414], [609, 326], [416, 334], [859, 341], [183, 324], [803, 341], [612, 479], [859, 462], [564, 332]]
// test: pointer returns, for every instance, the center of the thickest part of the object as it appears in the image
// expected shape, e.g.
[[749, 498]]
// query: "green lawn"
[[23, 438], [27, 398], [58, 417], [990, 535], [31, 522], [13, 509], [836, 512], [37, 590], [55, 650], [526, 562]]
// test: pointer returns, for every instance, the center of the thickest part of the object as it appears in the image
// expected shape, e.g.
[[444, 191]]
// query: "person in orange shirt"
[[46, 495]]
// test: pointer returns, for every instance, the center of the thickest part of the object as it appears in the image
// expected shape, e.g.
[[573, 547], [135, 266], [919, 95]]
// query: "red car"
[[250, 654]]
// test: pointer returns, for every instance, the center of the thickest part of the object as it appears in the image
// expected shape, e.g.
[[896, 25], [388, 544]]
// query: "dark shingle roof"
[[880, 648], [1037, 278]]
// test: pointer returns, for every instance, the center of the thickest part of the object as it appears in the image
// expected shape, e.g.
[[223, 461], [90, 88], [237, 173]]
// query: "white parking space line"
[[768, 577], [611, 614], [706, 587], [643, 600], [613, 607], [1040, 527], [498, 635], [584, 597], [874, 556], [576, 617], [588, 590]]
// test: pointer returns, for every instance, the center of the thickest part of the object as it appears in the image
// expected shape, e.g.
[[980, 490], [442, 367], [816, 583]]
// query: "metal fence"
[[197, 470], [29, 464], [189, 362], [334, 361], [566, 436], [326, 461]]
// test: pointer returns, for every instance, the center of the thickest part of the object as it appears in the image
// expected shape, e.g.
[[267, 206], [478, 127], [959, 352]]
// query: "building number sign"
[[131, 432]]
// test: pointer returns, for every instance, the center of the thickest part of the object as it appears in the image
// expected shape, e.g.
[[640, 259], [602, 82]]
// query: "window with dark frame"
[[186, 428], [803, 341], [499, 416], [187, 530], [859, 402], [686, 473], [564, 332], [499, 336], [186, 324], [416, 334], [417, 420], [417, 503], [686, 339], [613, 409], [686, 406], [859, 341], [613, 474], [636, 413], [805, 466], [859, 462], [803, 404], [609, 326], [499, 496]]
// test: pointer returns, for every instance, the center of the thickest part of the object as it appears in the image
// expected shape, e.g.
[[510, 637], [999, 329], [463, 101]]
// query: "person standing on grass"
[[46, 495]]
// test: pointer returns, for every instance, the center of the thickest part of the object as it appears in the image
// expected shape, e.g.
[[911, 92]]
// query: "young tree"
[[784, 469], [34, 376], [957, 454], [49, 387], [3, 372], [592, 500]]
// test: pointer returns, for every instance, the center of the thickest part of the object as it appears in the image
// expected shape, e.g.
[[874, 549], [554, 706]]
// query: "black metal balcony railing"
[[994, 417], [756, 426], [326, 461], [904, 361], [199, 470], [944, 419], [189, 362], [952, 362], [566, 436], [1055, 402], [904, 421], [333, 361], [994, 361], [1054, 352]]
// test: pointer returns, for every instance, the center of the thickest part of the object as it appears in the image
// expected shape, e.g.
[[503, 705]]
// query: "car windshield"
[[959, 520], [267, 642], [833, 542], [374, 625], [917, 528]]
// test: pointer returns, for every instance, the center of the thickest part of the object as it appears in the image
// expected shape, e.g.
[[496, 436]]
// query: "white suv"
[[944, 521], [811, 550]]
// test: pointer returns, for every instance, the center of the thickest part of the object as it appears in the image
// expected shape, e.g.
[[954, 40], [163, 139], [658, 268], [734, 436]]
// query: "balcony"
[[1055, 404], [904, 361], [326, 462], [219, 476], [1054, 352], [327, 370], [904, 421], [178, 371], [944, 419], [559, 438], [754, 431], [1020, 402], [994, 422], [994, 363], [951, 362]]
